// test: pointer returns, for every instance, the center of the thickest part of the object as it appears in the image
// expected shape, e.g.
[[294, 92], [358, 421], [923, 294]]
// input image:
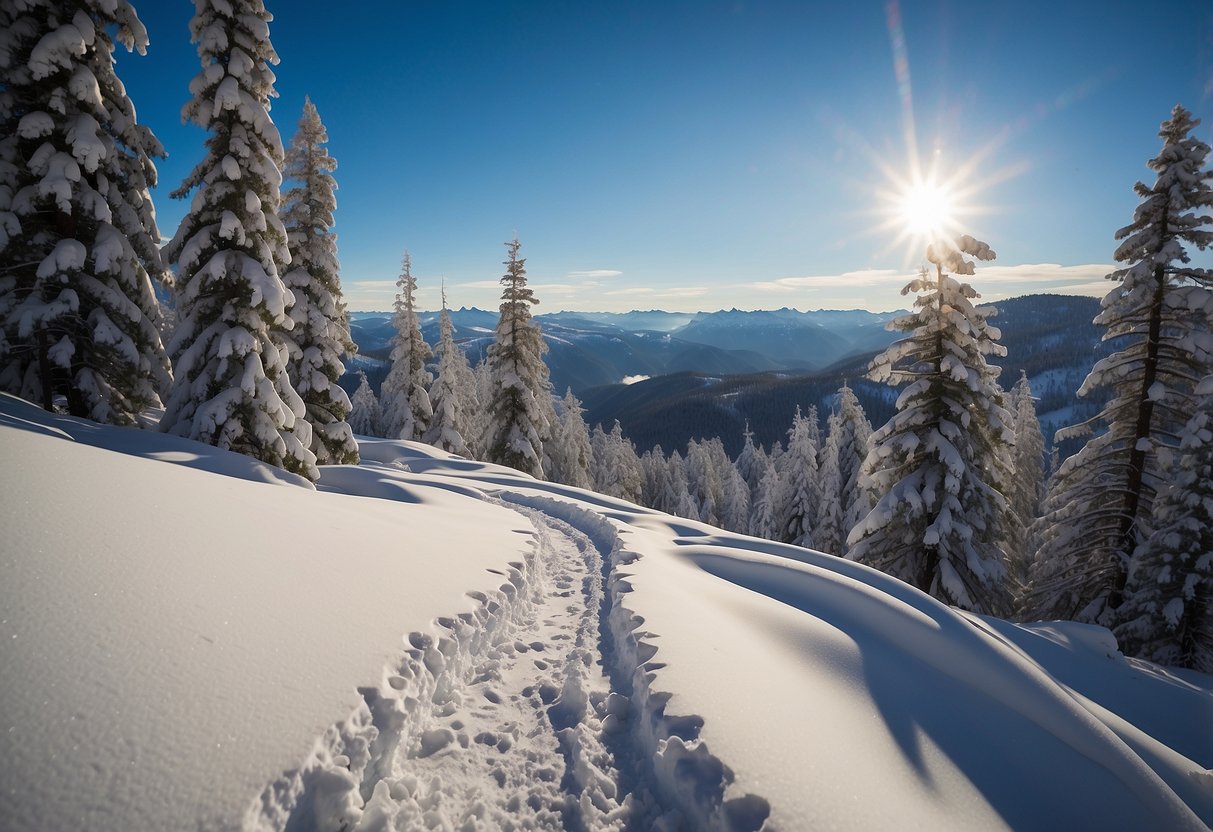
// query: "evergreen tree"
[[570, 451], [801, 485], [735, 494], [320, 336], [752, 462], [828, 532], [767, 508], [656, 468], [364, 411], [843, 501], [479, 437], [78, 237], [617, 469], [1027, 482], [679, 501], [231, 388], [703, 482], [407, 411], [1167, 616], [1101, 503], [451, 393], [521, 392], [938, 522]]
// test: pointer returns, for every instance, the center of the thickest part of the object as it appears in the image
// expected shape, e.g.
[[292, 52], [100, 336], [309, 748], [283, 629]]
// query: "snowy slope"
[[190, 639]]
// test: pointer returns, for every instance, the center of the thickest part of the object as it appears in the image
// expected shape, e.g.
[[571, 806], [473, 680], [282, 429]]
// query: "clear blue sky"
[[704, 155]]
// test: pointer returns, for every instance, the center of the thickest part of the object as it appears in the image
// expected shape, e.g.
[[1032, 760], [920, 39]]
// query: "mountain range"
[[668, 376]]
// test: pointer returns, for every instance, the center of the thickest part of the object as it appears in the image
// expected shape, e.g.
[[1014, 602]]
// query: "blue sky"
[[703, 155]]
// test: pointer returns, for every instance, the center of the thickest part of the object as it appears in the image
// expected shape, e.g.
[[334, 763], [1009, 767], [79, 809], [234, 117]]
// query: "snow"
[[441, 641]]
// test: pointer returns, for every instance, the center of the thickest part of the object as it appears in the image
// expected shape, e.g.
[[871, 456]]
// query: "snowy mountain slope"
[[430, 642]]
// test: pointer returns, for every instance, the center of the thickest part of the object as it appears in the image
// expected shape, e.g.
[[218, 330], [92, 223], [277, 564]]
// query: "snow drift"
[[192, 639]]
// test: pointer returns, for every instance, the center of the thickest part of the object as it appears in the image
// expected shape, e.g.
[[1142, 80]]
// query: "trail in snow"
[[519, 745], [534, 710]]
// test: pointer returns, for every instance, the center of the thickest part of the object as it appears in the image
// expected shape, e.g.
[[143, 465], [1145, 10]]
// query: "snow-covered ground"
[[190, 639]]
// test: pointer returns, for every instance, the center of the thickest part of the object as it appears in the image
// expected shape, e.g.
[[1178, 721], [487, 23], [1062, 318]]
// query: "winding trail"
[[519, 745], [533, 711]]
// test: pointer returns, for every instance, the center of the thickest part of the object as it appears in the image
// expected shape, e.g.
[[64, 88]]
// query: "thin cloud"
[[594, 274], [682, 292], [635, 290], [1032, 276], [865, 277], [372, 286]]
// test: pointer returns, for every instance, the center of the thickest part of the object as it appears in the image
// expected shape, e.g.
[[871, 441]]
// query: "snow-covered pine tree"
[[521, 392], [1101, 501], [320, 337], [735, 493], [451, 392], [407, 411], [78, 237], [617, 470], [843, 503], [656, 468], [854, 436], [679, 502], [800, 481], [479, 436], [828, 532], [703, 482], [752, 462], [1027, 484], [767, 508], [364, 410], [1167, 616], [938, 522], [231, 388], [570, 452]]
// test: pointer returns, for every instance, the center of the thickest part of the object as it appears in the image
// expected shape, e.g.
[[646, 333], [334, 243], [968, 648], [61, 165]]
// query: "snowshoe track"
[[532, 712]]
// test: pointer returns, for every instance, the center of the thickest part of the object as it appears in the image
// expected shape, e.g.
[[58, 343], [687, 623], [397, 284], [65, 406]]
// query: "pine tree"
[[679, 501], [828, 532], [938, 522], [570, 449], [479, 438], [451, 391], [521, 392], [801, 484], [1101, 503], [320, 336], [1027, 482], [766, 508], [1167, 616], [231, 388], [364, 411], [78, 237], [843, 502], [617, 469], [752, 462], [656, 468], [407, 411]]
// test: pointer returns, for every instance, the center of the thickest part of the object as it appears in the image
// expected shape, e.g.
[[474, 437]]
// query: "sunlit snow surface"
[[189, 639]]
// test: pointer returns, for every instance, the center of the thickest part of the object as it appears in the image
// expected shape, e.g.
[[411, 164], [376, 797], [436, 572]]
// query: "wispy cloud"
[[681, 292], [594, 274], [671, 292], [1082, 279], [367, 287], [865, 277]]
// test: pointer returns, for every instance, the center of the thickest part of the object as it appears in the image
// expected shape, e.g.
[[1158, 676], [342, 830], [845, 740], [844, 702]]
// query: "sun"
[[927, 209]]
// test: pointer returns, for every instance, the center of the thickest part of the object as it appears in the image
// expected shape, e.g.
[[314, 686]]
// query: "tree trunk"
[[1137, 456]]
